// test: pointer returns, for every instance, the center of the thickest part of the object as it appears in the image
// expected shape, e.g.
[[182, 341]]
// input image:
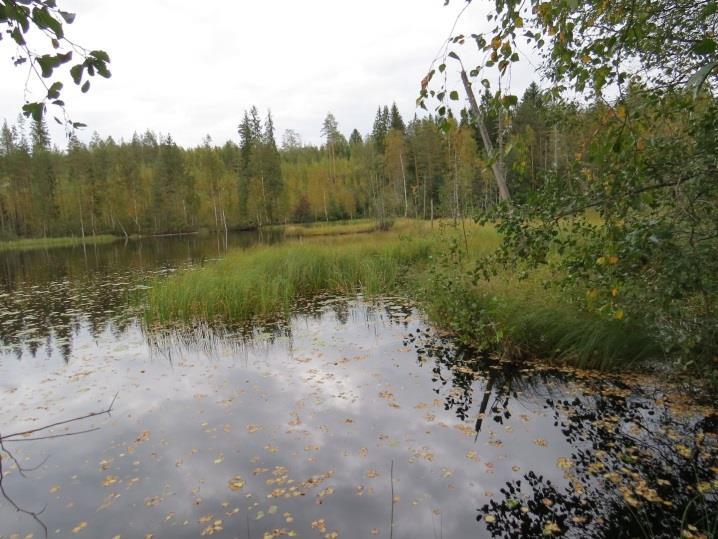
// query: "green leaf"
[[16, 34], [44, 19], [76, 73], [705, 46], [85, 87], [453, 55], [47, 65], [54, 91], [33, 110], [454, 95], [100, 55]]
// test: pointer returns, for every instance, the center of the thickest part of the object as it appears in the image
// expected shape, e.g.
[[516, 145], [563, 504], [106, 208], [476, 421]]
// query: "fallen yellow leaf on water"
[[54, 489], [490, 519], [236, 483], [551, 528], [319, 525], [110, 480], [564, 463], [81, 526], [540, 442]]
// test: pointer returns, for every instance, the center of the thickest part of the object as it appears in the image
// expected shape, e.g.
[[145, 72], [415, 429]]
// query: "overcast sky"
[[190, 72]]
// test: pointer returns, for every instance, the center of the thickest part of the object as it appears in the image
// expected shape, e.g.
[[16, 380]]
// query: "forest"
[[422, 168]]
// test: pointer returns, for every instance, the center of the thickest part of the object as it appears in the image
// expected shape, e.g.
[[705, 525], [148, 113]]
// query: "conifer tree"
[[396, 121]]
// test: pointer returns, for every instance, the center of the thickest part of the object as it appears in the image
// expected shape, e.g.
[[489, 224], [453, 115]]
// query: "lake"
[[352, 418]]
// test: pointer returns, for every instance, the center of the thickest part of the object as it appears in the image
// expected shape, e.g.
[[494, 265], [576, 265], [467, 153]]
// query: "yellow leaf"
[[551, 528], [236, 483], [110, 480]]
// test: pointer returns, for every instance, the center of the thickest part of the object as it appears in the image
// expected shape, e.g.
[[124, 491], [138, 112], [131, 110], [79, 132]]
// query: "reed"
[[266, 281]]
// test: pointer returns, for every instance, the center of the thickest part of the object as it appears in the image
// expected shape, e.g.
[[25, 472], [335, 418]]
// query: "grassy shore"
[[49, 243], [517, 318]]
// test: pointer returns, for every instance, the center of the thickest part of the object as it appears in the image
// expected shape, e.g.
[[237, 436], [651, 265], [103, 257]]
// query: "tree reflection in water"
[[643, 464]]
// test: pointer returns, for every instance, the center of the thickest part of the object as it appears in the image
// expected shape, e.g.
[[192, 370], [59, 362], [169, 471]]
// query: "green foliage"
[[19, 20], [643, 162]]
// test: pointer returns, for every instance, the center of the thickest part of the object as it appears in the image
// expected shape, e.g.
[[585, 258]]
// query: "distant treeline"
[[150, 185]]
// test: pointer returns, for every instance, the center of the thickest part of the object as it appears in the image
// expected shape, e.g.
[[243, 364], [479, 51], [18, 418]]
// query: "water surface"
[[351, 419]]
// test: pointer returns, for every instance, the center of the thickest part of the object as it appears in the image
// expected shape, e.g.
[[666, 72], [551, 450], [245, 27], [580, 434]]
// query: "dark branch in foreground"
[[23, 437], [24, 434]]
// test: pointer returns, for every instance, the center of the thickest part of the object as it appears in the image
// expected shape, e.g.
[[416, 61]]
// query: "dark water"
[[349, 420]]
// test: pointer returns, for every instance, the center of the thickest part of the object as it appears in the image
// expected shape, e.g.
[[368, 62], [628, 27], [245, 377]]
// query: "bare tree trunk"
[[496, 163], [456, 187], [137, 218], [416, 186], [406, 199], [214, 209]]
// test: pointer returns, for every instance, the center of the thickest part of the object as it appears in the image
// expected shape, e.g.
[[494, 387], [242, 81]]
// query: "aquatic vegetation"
[[519, 318], [265, 282], [360, 226]]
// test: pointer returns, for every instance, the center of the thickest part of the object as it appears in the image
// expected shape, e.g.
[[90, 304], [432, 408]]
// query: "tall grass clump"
[[340, 228], [528, 319], [267, 281]]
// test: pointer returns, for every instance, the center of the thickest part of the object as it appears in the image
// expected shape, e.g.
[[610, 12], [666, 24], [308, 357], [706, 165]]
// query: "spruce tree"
[[396, 121], [380, 129], [40, 136], [355, 138]]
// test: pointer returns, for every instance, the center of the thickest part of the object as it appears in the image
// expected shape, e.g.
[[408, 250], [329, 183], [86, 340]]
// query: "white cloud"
[[191, 68]]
